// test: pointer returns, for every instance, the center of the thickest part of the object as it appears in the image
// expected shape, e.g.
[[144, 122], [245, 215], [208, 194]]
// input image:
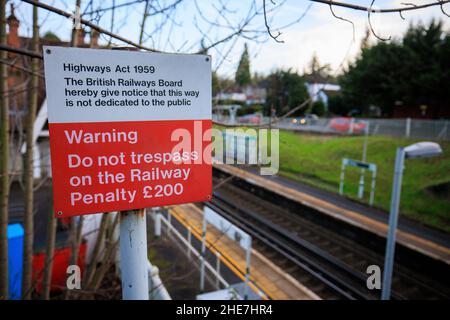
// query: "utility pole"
[[4, 154], [29, 166]]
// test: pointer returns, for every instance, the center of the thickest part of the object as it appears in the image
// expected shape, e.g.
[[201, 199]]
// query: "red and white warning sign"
[[128, 129]]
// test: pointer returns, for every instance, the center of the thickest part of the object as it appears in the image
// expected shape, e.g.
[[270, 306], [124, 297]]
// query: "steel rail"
[[289, 242], [275, 238]]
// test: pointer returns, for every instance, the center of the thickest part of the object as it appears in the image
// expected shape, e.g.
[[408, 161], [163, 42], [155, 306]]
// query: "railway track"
[[329, 263]]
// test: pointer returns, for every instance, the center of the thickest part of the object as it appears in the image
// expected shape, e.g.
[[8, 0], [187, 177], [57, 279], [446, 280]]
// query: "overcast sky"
[[318, 32]]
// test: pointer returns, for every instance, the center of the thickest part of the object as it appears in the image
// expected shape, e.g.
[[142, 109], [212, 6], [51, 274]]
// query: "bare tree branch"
[[442, 9], [385, 10], [370, 23], [15, 66], [28, 167], [275, 37], [89, 24], [343, 19]]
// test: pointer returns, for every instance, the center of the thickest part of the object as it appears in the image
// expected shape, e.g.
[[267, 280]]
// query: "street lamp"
[[417, 150]]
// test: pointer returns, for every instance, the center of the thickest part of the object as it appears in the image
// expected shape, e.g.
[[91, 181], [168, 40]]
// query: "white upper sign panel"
[[95, 85]]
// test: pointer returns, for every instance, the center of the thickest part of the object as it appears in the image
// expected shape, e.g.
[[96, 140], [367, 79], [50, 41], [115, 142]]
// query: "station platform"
[[429, 242], [265, 276]]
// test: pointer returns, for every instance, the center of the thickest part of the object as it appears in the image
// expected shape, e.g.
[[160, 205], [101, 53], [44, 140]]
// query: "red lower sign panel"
[[109, 166]]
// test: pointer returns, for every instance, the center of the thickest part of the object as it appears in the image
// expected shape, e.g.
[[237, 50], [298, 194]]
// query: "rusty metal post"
[[133, 255]]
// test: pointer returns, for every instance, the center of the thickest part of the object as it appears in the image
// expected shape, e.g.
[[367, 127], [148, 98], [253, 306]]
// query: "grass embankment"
[[316, 160]]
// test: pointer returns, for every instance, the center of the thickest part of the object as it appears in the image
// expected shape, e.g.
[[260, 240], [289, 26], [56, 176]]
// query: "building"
[[322, 91], [249, 95]]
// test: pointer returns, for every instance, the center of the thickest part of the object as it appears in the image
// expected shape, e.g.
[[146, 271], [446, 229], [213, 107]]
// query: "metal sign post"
[[408, 127], [133, 255], [372, 187], [364, 157], [372, 167], [342, 178], [351, 126]]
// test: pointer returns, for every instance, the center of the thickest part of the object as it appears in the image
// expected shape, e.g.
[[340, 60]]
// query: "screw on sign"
[[128, 130]]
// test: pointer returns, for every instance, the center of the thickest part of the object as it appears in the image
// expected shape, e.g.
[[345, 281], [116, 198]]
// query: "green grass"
[[316, 160]]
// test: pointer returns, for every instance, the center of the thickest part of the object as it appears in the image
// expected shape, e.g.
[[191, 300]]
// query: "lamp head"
[[422, 150]]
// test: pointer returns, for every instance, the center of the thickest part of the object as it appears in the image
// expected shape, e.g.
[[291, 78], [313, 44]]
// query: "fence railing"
[[215, 265], [408, 128]]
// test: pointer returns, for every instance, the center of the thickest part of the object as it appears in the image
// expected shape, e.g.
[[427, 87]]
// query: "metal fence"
[[212, 265], [408, 128]]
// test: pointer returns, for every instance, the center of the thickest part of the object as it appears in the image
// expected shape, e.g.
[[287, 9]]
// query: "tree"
[[317, 72], [144, 18], [412, 71], [28, 168], [243, 76], [365, 41], [4, 158], [285, 90], [51, 36], [318, 108], [428, 49], [220, 84], [49, 254], [75, 232], [338, 106]]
